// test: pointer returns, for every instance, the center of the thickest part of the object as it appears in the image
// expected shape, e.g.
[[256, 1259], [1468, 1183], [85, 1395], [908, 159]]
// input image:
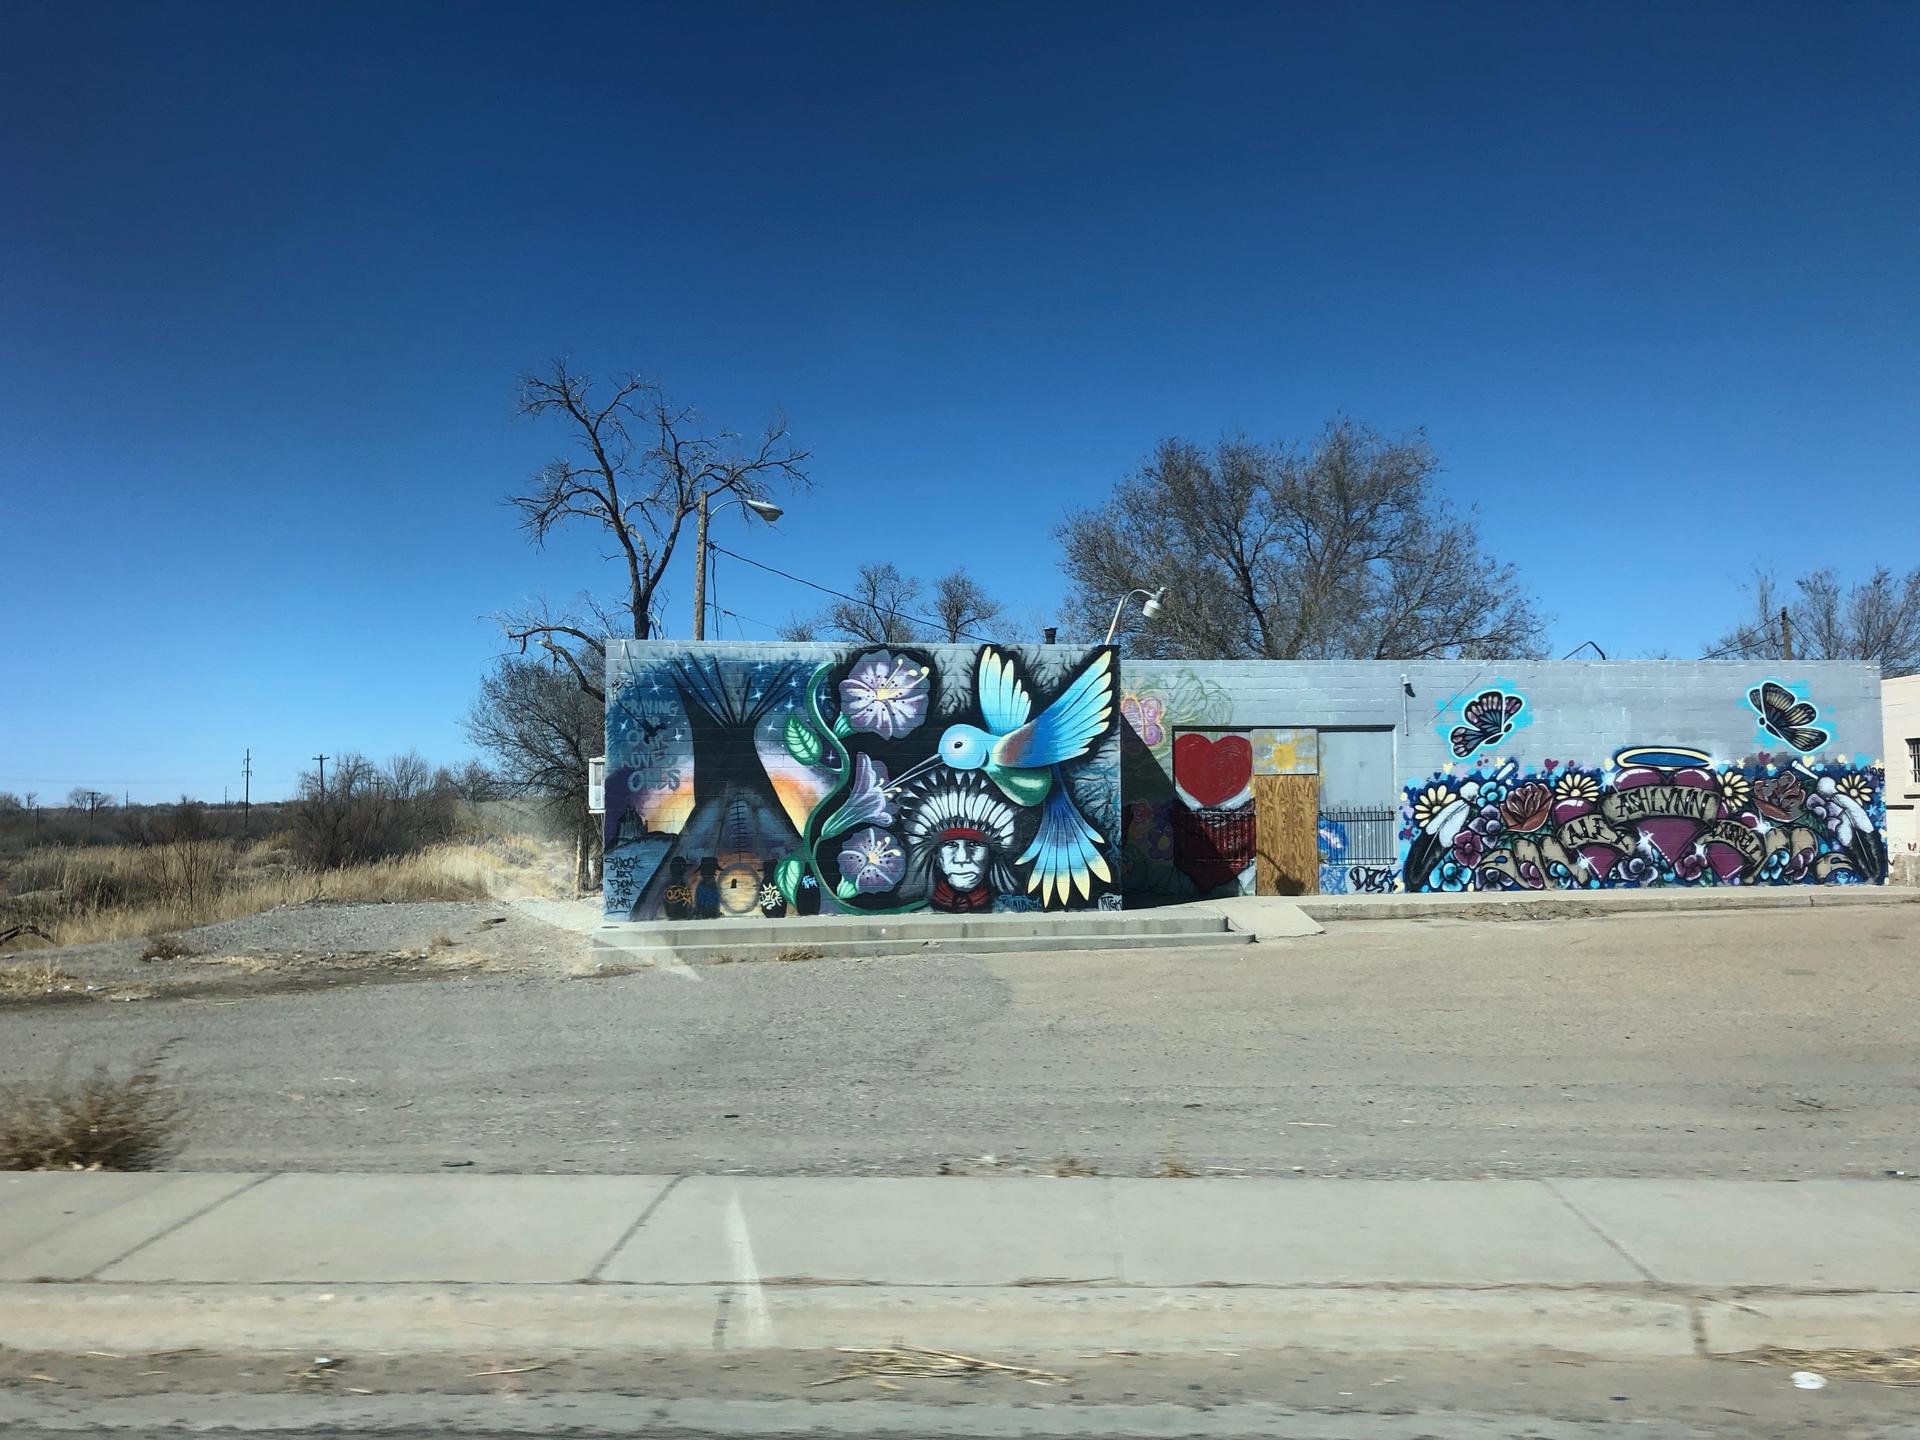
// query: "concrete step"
[[710, 941]]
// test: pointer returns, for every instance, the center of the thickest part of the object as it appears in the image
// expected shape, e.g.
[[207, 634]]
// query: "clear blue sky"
[[1647, 274]]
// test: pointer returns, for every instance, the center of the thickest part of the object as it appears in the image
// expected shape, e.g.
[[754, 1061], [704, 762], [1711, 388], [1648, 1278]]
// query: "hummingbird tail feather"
[[1065, 851]]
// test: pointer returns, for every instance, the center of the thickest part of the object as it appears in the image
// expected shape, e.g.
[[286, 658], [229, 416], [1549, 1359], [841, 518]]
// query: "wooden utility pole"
[[323, 775], [246, 792], [1786, 634]]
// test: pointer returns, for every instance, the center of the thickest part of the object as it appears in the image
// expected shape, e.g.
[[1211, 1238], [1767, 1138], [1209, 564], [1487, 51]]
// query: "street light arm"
[[1118, 608]]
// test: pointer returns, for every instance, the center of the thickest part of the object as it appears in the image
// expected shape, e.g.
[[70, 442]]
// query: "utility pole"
[[323, 775], [700, 569], [1786, 634], [246, 792]]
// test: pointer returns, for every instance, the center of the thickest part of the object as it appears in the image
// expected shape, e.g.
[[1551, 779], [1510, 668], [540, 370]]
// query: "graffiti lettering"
[[1645, 800]]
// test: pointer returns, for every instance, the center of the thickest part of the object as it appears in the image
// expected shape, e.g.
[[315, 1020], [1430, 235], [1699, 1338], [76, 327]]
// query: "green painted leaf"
[[786, 878], [841, 727], [802, 743], [846, 890]]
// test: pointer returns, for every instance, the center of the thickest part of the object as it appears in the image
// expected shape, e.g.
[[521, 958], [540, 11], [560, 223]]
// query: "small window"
[[1913, 759]]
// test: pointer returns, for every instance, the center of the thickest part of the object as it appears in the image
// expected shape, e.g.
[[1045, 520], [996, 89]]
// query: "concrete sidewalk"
[[550, 1263]]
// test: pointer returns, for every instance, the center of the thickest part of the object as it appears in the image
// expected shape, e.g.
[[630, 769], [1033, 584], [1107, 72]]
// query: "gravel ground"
[[1770, 1044]]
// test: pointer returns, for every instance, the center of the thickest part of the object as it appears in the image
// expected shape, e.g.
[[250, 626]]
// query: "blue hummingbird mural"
[[1022, 754]]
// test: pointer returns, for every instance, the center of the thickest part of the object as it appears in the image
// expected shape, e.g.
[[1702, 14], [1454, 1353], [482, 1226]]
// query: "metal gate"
[[1359, 849]]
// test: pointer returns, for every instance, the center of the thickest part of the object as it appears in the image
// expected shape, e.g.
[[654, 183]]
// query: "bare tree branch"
[[1877, 619], [1333, 550]]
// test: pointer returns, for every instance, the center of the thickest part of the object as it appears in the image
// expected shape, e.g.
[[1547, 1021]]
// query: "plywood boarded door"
[[1286, 834]]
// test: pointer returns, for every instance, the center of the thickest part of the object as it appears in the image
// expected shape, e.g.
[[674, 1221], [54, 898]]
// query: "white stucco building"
[[1900, 727]]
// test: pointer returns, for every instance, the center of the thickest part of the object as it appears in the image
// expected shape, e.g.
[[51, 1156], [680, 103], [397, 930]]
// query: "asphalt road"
[[1761, 1044]]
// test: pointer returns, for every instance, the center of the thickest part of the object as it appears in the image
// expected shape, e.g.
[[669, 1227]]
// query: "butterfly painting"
[[1489, 716], [1785, 716]]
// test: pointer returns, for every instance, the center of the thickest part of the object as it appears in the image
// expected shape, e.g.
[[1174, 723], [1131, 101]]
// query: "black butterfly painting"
[[1785, 716], [1489, 716]]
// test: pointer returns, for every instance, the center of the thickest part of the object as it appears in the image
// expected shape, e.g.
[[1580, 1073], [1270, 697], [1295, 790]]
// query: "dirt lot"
[[295, 948], [1758, 1043]]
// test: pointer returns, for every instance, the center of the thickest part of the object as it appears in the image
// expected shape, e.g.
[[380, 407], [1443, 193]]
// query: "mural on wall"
[[1662, 815], [1212, 811], [880, 782], [1485, 718], [1786, 717], [1489, 718], [1153, 707]]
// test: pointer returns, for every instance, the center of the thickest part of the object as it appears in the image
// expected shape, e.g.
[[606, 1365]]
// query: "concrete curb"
[[1620, 1323], [1580, 903]]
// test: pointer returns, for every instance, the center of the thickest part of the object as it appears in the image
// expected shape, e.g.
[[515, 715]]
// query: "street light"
[[1150, 608], [765, 509]]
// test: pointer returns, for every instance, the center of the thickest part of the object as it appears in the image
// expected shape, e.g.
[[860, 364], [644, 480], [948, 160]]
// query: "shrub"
[[103, 1121], [166, 947]]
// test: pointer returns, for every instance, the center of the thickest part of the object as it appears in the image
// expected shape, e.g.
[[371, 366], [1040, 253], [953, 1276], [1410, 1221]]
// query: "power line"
[[939, 625], [1741, 637]]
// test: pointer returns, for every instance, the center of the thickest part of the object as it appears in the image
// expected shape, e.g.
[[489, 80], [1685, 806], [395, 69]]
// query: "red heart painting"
[[1212, 771]]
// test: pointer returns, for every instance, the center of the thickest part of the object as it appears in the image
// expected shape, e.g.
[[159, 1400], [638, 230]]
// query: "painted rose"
[[885, 694], [1691, 866], [1780, 797], [1469, 848], [872, 860], [1143, 713], [1526, 806], [866, 803]]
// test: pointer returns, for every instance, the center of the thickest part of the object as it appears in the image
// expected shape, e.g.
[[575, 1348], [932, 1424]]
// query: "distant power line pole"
[[323, 774], [246, 793], [1786, 634]]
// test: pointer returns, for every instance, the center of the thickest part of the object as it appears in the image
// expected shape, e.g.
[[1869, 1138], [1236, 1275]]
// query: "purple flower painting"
[[885, 694], [871, 861]]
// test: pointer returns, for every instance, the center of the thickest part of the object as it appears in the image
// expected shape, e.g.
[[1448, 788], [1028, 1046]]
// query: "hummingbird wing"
[[1067, 728], [1004, 702], [1065, 851]]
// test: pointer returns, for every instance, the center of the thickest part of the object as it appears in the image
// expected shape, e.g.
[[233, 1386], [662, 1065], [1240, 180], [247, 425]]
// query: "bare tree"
[[92, 801], [882, 609], [639, 467], [541, 727], [1819, 618], [962, 605], [1338, 549]]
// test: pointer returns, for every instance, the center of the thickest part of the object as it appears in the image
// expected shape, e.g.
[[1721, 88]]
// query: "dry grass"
[[1173, 1168], [103, 1121], [1072, 1167], [117, 892], [799, 952], [442, 941], [166, 947], [1885, 1367], [20, 979]]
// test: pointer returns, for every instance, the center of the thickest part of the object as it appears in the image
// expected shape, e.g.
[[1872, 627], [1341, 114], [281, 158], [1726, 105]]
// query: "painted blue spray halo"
[[1660, 757]]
